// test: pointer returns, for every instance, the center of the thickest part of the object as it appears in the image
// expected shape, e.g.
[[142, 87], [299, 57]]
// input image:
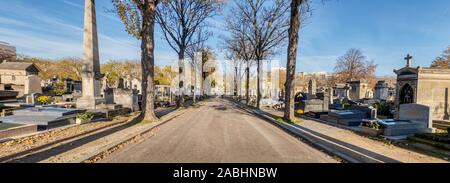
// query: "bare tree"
[[139, 19], [206, 69], [197, 48], [299, 8], [180, 20], [238, 45], [265, 25], [354, 66]]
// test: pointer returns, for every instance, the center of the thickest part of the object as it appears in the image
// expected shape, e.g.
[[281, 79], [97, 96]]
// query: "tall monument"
[[91, 76]]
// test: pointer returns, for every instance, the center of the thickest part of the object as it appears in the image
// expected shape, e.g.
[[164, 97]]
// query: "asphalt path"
[[219, 132]]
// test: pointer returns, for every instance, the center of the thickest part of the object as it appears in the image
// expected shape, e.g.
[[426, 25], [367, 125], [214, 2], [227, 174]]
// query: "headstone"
[[32, 85], [127, 98], [120, 83], [91, 95], [381, 90], [312, 87], [137, 85], [342, 91], [417, 113], [330, 95], [371, 112], [326, 100]]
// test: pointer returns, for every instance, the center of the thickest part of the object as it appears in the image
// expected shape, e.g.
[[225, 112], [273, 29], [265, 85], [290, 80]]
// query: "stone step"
[[441, 124]]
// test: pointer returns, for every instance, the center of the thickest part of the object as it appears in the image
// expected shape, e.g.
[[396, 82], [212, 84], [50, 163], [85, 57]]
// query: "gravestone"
[[371, 112], [32, 99], [32, 85], [330, 95], [413, 118], [342, 91], [120, 83], [126, 98], [326, 100], [381, 90], [91, 76], [313, 105], [417, 113], [312, 87]]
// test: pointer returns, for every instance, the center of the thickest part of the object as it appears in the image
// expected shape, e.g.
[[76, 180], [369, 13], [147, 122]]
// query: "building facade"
[[427, 86]]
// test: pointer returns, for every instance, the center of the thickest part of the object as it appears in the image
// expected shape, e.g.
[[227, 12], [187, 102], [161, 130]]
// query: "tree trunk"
[[195, 83], [258, 83], [148, 62], [235, 81], [291, 60], [247, 85], [181, 72]]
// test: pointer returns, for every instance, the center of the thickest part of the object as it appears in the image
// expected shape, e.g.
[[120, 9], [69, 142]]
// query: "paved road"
[[219, 132]]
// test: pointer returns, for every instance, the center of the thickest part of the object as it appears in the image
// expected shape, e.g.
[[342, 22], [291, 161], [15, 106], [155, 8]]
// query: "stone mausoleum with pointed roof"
[[426, 86]]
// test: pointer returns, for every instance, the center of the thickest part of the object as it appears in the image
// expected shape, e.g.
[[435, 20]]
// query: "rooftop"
[[17, 66]]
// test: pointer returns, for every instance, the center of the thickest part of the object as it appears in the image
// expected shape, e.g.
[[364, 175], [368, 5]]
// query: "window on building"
[[13, 78]]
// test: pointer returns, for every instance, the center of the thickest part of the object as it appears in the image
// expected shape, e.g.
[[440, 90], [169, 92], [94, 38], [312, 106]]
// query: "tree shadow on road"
[[355, 151], [43, 155]]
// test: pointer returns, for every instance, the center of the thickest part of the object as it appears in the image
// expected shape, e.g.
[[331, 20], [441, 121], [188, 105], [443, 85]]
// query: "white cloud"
[[37, 33]]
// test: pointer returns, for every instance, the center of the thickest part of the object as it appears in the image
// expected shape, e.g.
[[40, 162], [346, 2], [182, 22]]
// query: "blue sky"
[[385, 30]]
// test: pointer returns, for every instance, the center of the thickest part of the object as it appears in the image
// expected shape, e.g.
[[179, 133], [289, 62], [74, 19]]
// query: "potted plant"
[[372, 128], [59, 92], [84, 118], [44, 100]]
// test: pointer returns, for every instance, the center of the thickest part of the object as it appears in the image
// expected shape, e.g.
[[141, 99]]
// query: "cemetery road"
[[219, 132]]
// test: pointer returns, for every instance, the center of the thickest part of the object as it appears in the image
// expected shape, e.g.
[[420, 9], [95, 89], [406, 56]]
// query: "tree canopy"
[[443, 61], [354, 65]]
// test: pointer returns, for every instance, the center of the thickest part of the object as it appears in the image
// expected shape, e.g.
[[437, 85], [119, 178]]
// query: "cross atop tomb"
[[408, 59]]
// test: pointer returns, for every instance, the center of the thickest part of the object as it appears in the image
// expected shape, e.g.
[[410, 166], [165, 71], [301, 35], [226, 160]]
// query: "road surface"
[[219, 132]]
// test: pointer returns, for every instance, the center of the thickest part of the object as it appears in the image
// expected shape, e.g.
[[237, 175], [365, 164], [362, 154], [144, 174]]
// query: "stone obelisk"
[[91, 76]]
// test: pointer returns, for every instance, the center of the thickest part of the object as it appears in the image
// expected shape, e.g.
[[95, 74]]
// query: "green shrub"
[[85, 116], [382, 108], [373, 125], [59, 92]]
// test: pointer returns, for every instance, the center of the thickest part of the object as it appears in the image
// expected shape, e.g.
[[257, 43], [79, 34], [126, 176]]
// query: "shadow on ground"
[[37, 157], [342, 143]]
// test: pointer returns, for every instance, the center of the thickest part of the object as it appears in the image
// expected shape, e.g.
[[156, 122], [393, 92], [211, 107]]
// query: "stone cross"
[[408, 59], [312, 87], [91, 76]]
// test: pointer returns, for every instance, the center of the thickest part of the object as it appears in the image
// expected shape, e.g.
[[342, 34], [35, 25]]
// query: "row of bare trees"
[[258, 28], [183, 24]]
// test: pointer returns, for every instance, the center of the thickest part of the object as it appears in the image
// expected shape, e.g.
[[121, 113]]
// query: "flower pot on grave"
[[82, 121], [372, 132]]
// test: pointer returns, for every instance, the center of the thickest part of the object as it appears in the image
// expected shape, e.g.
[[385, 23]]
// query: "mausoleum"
[[20, 77], [426, 86]]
